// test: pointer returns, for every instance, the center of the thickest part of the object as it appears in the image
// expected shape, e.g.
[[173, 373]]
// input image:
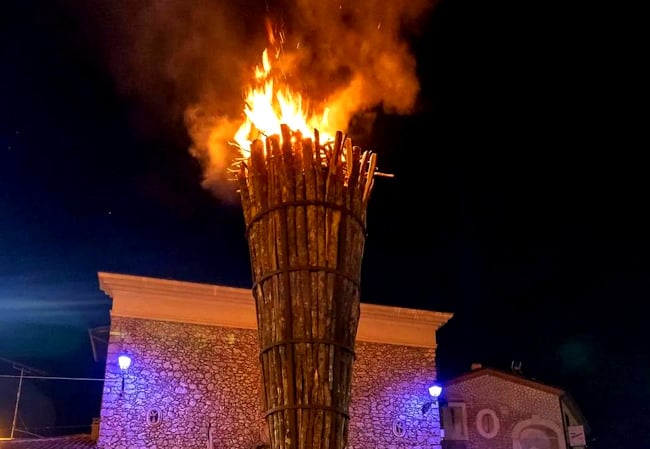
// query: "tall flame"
[[270, 103]]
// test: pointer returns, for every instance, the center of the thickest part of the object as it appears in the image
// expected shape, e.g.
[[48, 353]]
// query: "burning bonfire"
[[304, 194]]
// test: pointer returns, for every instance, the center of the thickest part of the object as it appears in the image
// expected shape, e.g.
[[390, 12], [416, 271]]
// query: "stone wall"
[[201, 380], [389, 393], [513, 404]]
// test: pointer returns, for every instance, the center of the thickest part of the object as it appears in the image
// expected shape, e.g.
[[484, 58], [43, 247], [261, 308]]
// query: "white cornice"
[[216, 305]]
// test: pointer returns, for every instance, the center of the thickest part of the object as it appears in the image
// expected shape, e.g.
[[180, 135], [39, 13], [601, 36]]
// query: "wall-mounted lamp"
[[435, 391], [125, 362]]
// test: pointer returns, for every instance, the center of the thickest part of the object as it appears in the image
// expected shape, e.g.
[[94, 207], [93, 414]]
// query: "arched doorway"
[[537, 433]]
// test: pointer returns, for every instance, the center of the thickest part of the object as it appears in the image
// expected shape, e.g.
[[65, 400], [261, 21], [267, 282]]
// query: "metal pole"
[[20, 387]]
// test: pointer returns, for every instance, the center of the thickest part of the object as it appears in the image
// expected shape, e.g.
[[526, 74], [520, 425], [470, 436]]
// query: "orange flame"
[[268, 106]]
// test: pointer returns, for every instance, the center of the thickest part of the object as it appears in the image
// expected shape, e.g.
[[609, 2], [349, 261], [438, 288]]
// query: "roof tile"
[[65, 442]]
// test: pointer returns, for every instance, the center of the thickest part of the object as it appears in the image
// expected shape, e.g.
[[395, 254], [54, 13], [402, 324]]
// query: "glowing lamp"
[[124, 361], [435, 390]]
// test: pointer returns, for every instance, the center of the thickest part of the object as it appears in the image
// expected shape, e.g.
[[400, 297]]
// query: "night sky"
[[519, 201]]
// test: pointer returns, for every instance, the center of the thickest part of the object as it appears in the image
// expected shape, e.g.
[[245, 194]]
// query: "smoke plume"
[[193, 58]]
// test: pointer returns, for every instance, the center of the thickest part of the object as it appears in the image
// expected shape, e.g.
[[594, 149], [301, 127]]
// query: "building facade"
[[194, 379], [492, 409]]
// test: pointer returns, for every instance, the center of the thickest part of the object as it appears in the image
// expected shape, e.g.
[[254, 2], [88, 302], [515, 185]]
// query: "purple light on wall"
[[435, 390]]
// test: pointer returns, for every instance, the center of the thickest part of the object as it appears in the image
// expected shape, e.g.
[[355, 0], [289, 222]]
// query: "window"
[[532, 438], [454, 421], [154, 416], [537, 433], [399, 428], [487, 423]]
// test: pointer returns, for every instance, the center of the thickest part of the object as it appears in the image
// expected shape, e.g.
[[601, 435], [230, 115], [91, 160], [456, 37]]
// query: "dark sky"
[[519, 201]]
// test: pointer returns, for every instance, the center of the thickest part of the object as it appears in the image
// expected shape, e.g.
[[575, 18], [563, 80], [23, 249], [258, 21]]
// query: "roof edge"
[[487, 371], [198, 303]]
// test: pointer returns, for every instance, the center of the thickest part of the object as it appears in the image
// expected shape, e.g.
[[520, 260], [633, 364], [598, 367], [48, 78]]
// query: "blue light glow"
[[435, 390]]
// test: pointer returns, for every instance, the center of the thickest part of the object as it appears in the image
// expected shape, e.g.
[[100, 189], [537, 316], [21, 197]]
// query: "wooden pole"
[[305, 211]]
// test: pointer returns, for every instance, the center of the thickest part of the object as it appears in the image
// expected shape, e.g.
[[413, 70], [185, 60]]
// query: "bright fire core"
[[270, 103]]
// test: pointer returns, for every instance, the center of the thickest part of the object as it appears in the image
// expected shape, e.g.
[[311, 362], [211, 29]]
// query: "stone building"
[[492, 409], [194, 379]]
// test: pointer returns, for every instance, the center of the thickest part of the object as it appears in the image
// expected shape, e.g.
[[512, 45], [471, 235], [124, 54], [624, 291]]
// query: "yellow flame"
[[263, 71], [267, 107]]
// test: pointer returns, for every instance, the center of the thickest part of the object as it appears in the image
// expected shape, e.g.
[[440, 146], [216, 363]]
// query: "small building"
[[195, 381], [488, 408]]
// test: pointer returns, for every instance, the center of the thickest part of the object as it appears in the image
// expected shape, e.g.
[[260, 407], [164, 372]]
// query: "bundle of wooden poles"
[[305, 205]]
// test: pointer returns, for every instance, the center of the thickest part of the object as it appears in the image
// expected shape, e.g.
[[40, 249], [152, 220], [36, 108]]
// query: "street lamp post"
[[24, 369], [20, 387]]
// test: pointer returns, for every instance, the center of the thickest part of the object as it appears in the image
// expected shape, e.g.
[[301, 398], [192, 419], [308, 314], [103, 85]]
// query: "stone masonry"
[[192, 383], [201, 378], [517, 407]]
